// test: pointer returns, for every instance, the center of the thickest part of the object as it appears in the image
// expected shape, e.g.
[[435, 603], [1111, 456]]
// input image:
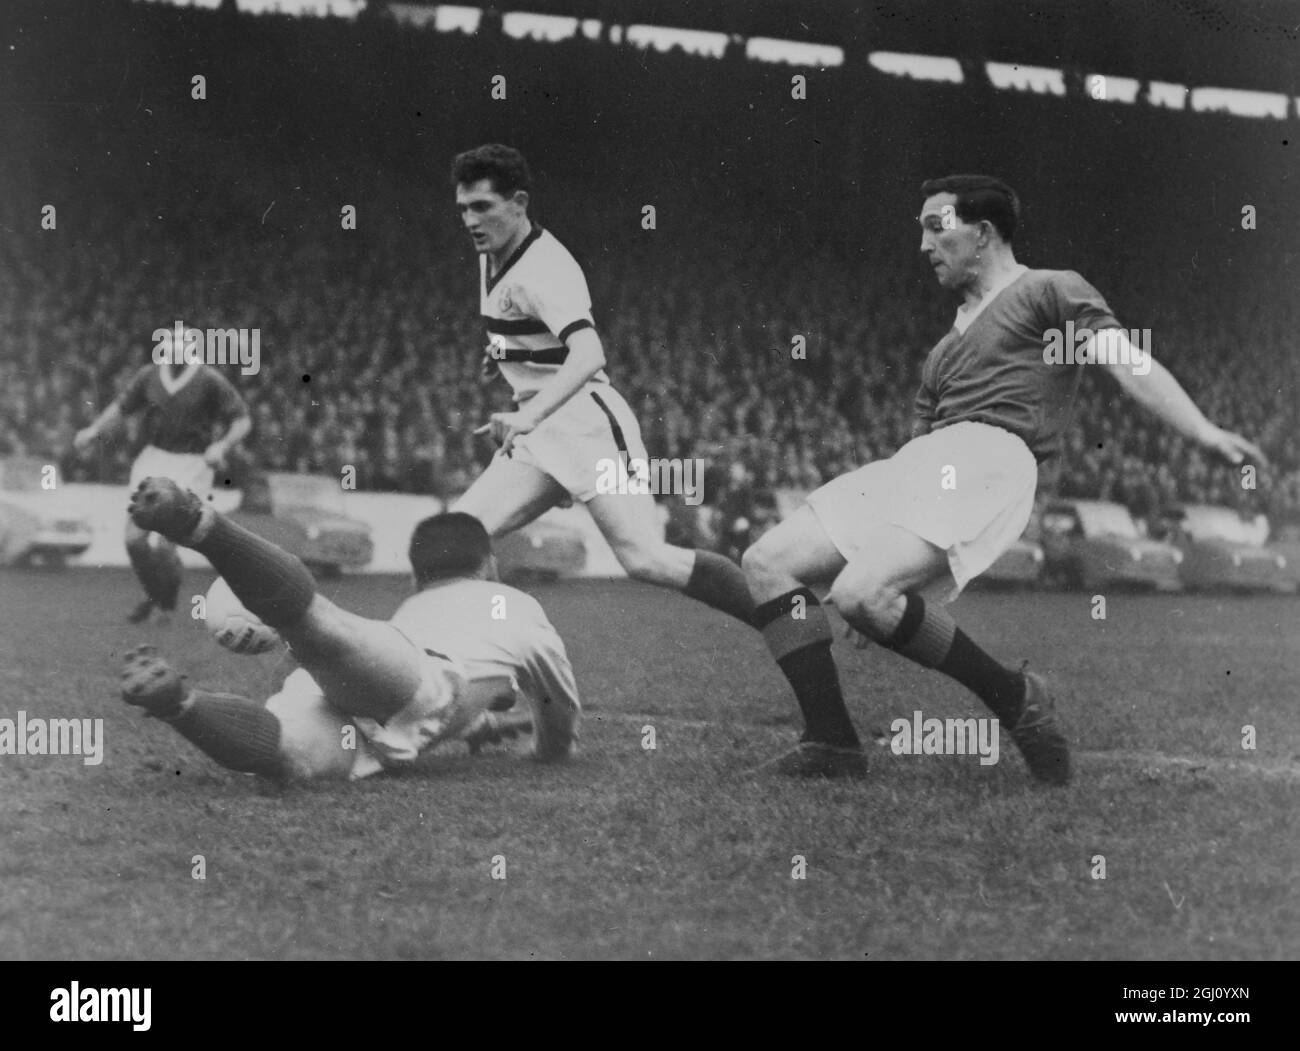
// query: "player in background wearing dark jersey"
[[946, 505], [568, 418], [181, 406]]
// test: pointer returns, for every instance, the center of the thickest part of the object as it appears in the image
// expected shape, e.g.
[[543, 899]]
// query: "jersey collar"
[[491, 281], [172, 384], [965, 318]]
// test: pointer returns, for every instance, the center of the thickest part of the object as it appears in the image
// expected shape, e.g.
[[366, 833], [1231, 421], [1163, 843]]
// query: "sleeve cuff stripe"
[[573, 327]]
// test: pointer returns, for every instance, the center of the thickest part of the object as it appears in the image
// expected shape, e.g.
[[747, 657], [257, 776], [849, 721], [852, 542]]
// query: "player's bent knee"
[[763, 561], [642, 563], [862, 595]]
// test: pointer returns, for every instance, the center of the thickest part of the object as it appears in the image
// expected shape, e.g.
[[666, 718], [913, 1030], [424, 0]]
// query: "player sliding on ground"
[[950, 501], [466, 657], [569, 420]]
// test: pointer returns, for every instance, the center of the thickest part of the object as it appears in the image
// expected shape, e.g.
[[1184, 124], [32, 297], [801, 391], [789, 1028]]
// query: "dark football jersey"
[[180, 417], [994, 371]]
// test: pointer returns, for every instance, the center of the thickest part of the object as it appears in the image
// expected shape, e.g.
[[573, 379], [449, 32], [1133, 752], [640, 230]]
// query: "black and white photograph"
[[614, 480]]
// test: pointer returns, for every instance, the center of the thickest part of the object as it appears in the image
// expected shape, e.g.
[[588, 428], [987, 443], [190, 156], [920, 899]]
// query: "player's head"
[[168, 350], [492, 187], [966, 220], [450, 546]]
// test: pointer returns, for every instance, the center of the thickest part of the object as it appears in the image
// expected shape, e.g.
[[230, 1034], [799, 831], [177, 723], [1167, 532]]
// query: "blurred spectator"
[[371, 341]]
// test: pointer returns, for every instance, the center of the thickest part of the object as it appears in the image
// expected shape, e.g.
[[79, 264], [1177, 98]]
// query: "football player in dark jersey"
[[181, 407]]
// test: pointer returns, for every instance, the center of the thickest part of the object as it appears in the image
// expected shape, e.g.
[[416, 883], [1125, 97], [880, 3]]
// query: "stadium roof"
[[1251, 44]]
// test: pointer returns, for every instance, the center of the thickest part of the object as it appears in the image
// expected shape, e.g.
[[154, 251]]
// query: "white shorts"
[[314, 735], [967, 488], [185, 469], [594, 426]]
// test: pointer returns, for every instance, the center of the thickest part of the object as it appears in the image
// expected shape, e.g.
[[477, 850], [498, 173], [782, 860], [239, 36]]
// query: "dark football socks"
[[151, 574], [237, 733], [796, 630], [718, 582], [273, 584], [930, 637], [167, 567]]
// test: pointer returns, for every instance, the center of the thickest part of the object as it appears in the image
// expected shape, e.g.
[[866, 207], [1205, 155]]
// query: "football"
[[233, 626]]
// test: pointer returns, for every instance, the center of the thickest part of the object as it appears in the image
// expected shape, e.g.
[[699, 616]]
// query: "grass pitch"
[[674, 852]]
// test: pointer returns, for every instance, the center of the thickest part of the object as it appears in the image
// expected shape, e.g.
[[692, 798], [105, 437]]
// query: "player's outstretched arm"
[[216, 453], [549, 679], [107, 422], [1152, 386], [586, 358], [233, 411]]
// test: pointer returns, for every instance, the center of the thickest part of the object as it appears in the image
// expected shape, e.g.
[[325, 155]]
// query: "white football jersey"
[[491, 629], [530, 307]]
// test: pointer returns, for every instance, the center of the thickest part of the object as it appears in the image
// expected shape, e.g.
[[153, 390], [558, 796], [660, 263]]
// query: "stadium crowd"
[[371, 350]]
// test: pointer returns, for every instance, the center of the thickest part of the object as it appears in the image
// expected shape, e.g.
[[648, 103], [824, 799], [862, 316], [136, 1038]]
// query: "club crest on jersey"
[[506, 302]]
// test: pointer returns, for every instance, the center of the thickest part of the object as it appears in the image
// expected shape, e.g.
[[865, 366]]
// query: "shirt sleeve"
[[561, 300], [226, 402], [548, 681], [924, 405], [133, 399], [1068, 297]]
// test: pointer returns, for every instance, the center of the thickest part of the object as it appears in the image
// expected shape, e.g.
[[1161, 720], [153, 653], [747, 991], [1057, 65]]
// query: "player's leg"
[[299, 733], [295, 735], [509, 495], [153, 557], [369, 665], [879, 595], [158, 569], [137, 542], [137, 550], [629, 522], [167, 566], [238, 733], [780, 568], [574, 448]]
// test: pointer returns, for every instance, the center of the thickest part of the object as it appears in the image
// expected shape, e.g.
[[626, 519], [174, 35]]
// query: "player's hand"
[[84, 439], [860, 641], [505, 427], [215, 455], [1233, 448]]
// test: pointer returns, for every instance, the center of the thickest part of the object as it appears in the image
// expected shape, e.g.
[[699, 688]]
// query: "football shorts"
[[967, 488], [591, 429], [313, 732], [185, 469]]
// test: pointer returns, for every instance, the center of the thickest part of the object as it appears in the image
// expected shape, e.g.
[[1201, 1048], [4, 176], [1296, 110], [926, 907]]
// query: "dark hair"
[[980, 197], [448, 545], [503, 165]]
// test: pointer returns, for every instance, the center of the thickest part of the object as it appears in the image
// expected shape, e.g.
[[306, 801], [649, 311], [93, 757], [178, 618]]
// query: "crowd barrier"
[[390, 516]]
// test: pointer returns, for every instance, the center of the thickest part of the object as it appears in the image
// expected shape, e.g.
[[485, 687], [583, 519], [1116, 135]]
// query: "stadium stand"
[[222, 213]]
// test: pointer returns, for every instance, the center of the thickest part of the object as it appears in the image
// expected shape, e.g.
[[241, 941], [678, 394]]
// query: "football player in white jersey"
[[465, 658], [569, 424]]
